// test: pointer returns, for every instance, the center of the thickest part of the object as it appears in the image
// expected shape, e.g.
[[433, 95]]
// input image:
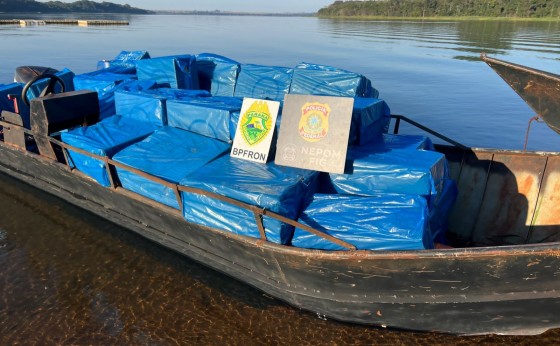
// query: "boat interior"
[[455, 197]]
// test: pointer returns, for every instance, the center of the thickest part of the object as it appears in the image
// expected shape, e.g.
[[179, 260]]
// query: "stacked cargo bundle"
[[132, 104], [111, 135], [382, 222], [395, 194], [214, 116], [314, 79], [263, 82], [124, 60], [283, 190], [106, 82], [176, 71], [151, 104], [169, 153], [217, 74]]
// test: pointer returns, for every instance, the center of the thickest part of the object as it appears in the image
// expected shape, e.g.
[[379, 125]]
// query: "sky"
[[265, 6]]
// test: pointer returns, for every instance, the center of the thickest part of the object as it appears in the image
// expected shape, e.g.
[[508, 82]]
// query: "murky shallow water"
[[69, 277]]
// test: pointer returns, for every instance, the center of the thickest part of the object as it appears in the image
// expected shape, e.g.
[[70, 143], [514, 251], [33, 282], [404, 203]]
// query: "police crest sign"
[[255, 129], [314, 132]]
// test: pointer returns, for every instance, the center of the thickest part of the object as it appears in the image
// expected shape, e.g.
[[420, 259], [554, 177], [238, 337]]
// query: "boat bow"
[[538, 88]]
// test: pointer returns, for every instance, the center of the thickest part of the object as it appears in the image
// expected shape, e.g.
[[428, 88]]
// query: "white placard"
[[255, 130]]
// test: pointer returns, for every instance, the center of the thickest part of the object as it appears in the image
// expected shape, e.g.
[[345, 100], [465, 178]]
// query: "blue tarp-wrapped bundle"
[[104, 139], [217, 74], [395, 193], [370, 116], [170, 154], [390, 142], [263, 82], [384, 222], [103, 80], [211, 116], [114, 133], [8, 105], [141, 106], [178, 72], [106, 83], [150, 105], [126, 59], [393, 165], [179, 94], [330, 81], [368, 173], [282, 190]]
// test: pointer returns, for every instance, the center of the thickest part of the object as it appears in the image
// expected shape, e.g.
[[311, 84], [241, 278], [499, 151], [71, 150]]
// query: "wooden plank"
[[546, 221], [510, 199], [13, 130]]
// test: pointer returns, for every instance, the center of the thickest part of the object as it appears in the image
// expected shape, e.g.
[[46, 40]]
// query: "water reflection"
[[68, 277], [475, 36]]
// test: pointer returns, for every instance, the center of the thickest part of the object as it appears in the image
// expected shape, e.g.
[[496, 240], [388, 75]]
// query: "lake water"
[[67, 277]]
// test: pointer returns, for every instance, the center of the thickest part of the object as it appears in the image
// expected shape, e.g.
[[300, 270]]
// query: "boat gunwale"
[[257, 211], [547, 249], [490, 60]]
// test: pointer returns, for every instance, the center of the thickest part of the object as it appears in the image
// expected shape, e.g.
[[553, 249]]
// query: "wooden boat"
[[500, 276]]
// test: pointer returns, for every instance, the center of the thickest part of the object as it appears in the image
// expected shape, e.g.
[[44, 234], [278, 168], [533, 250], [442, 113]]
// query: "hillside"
[[83, 6], [444, 8]]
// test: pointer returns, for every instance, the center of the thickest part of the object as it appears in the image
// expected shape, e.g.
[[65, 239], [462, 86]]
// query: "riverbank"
[[447, 18]]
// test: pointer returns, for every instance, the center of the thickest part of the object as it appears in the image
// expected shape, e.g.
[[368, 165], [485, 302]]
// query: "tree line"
[[83, 6], [444, 8]]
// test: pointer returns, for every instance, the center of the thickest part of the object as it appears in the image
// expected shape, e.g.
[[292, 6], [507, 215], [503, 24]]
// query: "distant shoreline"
[[448, 18]]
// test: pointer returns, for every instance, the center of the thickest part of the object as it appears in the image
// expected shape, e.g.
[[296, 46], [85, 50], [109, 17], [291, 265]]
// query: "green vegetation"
[[83, 6], [444, 8]]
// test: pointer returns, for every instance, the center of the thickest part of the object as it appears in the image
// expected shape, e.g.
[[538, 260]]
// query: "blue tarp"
[[105, 83], [105, 139], [330, 81], [179, 94], [8, 105], [150, 105], [369, 119], [382, 222], [170, 154], [263, 82], [211, 116], [217, 74], [129, 58], [101, 81], [388, 142], [369, 173], [142, 106], [179, 72], [282, 190]]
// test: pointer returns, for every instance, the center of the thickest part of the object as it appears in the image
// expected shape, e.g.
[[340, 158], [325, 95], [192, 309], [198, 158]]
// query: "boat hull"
[[503, 290]]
